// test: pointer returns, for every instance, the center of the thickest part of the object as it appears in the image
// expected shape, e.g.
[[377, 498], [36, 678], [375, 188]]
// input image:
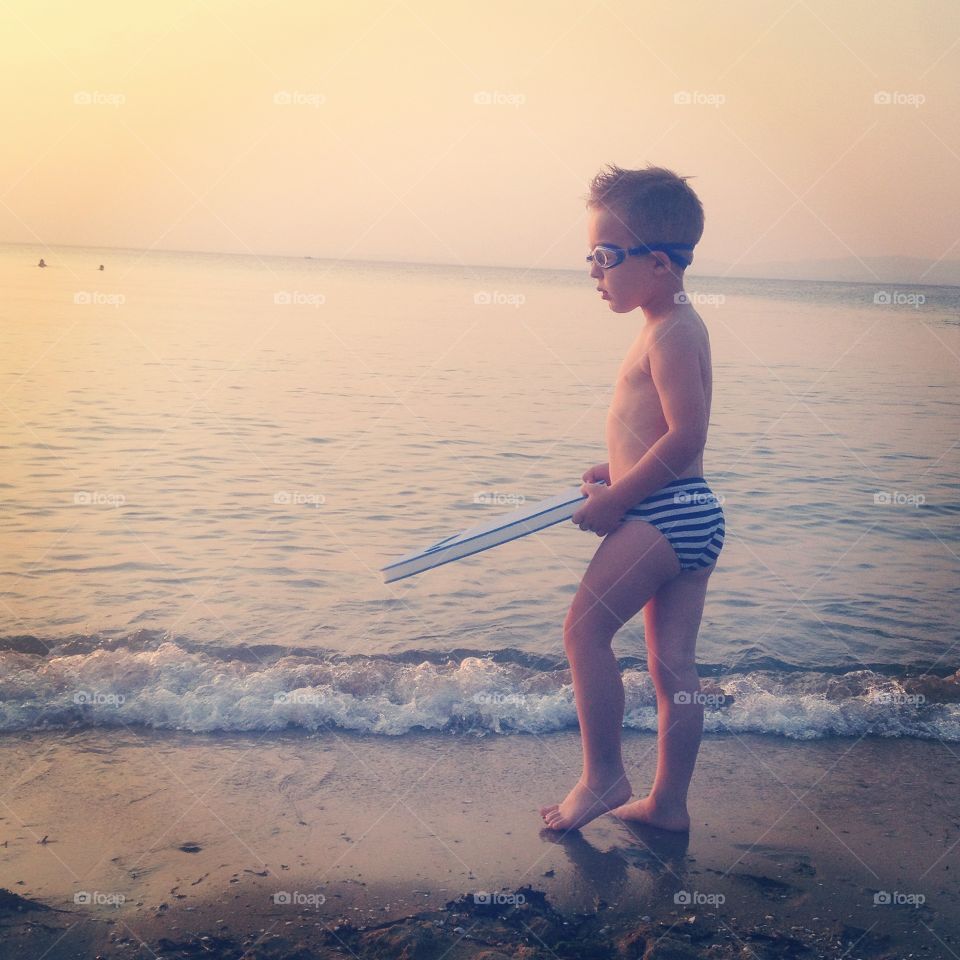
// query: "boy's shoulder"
[[682, 325]]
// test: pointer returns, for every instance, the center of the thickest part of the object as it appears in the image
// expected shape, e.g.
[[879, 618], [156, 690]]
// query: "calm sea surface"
[[210, 457]]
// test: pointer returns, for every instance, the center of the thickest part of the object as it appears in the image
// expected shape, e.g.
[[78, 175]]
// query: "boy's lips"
[[603, 294]]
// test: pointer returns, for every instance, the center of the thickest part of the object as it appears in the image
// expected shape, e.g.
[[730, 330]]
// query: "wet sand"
[[427, 846]]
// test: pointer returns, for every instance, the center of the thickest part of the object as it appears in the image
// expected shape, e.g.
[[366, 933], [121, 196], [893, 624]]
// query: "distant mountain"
[[849, 269]]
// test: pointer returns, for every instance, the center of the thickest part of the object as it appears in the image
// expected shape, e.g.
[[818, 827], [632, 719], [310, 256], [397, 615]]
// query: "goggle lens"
[[605, 258]]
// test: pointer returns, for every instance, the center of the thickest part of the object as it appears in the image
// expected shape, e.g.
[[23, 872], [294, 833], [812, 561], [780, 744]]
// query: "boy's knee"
[[585, 632], [671, 678]]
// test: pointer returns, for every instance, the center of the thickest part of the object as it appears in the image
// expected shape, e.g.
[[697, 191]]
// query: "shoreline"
[[400, 841]]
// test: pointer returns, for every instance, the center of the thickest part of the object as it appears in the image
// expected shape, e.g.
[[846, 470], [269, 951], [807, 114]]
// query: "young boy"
[[662, 526]]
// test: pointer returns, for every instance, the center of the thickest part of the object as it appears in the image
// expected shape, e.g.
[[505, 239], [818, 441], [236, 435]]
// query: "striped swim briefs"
[[688, 514]]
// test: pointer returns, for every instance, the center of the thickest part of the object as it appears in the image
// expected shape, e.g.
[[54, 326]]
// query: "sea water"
[[208, 458]]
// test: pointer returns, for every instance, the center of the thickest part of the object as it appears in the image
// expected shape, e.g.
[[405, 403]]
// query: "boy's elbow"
[[690, 442]]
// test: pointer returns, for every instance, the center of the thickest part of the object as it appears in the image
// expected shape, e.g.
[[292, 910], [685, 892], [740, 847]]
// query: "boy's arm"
[[675, 369]]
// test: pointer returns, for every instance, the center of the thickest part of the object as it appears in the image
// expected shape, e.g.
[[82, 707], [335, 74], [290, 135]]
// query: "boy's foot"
[[646, 810], [584, 803]]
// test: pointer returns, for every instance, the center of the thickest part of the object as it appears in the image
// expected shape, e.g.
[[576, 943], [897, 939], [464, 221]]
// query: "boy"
[[662, 526]]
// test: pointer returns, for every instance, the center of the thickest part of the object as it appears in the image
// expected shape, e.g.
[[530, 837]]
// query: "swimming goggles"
[[608, 255]]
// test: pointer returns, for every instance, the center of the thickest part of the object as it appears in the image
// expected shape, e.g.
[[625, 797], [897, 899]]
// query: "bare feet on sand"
[[647, 810], [587, 801]]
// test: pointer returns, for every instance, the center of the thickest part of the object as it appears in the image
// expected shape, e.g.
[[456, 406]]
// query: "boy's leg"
[[671, 623], [630, 565]]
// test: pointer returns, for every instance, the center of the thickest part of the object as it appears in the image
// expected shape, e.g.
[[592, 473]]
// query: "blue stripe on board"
[[429, 550]]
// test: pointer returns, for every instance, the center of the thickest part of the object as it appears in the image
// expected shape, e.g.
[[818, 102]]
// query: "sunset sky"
[[455, 133]]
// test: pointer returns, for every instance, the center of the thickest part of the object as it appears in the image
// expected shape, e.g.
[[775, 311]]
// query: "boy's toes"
[[546, 811], [557, 821]]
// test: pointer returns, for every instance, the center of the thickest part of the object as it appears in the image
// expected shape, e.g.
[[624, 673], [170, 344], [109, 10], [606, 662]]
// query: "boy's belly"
[[635, 422], [628, 442]]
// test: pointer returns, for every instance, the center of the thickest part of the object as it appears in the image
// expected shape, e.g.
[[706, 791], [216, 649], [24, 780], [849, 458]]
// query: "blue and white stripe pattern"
[[688, 514]]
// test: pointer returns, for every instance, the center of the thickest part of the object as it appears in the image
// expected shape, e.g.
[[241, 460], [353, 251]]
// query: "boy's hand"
[[602, 513], [600, 472]]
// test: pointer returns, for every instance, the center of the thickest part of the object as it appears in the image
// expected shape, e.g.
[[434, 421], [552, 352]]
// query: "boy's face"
[[632, 282]]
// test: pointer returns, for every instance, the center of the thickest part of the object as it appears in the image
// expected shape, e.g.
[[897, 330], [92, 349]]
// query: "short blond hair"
[[655, 204]]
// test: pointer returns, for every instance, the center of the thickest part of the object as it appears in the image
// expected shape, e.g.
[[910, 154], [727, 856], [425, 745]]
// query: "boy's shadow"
[[661, 854]]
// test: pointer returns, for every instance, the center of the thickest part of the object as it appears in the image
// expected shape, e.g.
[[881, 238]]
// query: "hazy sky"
[[453, 132]]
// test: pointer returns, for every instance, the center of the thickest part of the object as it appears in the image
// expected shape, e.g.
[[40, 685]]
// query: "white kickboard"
[[508, 526]]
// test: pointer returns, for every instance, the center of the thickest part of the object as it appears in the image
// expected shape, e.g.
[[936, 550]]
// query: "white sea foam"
[[169, 687]]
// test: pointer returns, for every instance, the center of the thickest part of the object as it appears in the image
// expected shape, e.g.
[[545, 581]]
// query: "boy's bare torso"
[[635, 420]]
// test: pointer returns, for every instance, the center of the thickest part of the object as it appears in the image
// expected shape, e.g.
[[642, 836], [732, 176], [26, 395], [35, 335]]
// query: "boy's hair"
[[655, 204]]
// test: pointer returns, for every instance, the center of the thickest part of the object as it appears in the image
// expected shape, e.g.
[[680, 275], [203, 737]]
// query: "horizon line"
[[493, 266]]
